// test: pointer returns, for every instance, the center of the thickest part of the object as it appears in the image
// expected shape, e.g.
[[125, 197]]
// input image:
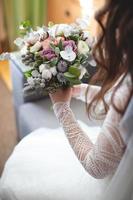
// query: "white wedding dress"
[[49, 168]]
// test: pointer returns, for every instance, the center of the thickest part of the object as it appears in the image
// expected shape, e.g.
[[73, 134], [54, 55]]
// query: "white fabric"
[[43, 166]]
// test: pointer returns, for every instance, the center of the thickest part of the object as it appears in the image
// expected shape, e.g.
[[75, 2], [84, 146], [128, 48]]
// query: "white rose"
[[35, 73], [32, 37], [42, 31], [42, 67], [58, 29], [53, 70], [36, 47], [46, 74], [83, 47]]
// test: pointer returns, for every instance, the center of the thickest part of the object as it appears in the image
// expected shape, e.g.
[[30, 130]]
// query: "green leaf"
[[69, 75], [28, 74], [52, 46], [57, 50], [82, 58], [74, 71], [73, 81], [74, 37], [25, 27], [60, 45], [26, 24], [54, 62]]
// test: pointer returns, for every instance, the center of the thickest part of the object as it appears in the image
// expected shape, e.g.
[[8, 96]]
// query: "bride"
[[113, 53], [108, 103]]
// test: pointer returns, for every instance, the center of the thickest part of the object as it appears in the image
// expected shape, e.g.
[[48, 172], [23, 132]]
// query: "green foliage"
[[60, 45], [24, 27], [74, 37], [54, 62], [82, 58], [28, 74], [57, 50], [72, 76], [69, 75], [74, 71]]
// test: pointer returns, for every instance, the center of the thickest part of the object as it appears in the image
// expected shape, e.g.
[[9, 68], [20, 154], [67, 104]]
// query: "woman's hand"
[[66, 94], [61, 95], [79, 90]]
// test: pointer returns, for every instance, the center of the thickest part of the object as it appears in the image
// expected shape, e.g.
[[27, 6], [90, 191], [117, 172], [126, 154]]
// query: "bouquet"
[[55, 56]]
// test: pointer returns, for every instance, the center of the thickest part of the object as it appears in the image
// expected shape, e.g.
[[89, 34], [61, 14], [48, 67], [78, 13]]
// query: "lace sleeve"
[[82, 93], [102, 158]]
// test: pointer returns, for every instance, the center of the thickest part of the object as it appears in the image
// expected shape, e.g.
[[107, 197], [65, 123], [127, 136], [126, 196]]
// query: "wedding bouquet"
[[55, 56]]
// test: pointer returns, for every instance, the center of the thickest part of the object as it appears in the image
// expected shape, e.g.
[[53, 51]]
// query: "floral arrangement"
[[55, 55]]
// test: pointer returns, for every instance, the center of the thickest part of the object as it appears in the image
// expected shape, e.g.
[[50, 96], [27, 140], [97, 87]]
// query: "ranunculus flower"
[[36, 47], [42, 67], [70, 43], [49, 54], [46, 74], [46, 44], [68, 54], [83, 47]]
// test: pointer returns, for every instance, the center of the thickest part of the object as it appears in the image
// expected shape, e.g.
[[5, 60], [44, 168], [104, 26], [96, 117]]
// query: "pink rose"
[[46, 44]]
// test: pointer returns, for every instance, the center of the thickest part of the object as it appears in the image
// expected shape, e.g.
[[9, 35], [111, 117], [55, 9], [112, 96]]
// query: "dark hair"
[[114, 49]]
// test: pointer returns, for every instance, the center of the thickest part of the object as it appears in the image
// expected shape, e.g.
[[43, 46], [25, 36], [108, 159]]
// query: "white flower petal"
[[46, 74], [30, 81], [24, 50], [19, 42], [35, 73], [93, 63], [83, 48], [36, 47], [53, 70], [68, 54], [83, 71]]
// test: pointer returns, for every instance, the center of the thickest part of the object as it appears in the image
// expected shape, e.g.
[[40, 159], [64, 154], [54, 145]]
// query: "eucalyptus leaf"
[[73, 81], [69, 75], [74, 71]]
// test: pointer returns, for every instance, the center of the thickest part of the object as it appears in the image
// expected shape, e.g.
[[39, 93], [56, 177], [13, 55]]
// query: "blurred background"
[[39, 12]]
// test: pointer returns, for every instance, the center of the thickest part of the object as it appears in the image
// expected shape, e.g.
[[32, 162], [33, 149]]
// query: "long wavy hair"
[[113, 51]]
